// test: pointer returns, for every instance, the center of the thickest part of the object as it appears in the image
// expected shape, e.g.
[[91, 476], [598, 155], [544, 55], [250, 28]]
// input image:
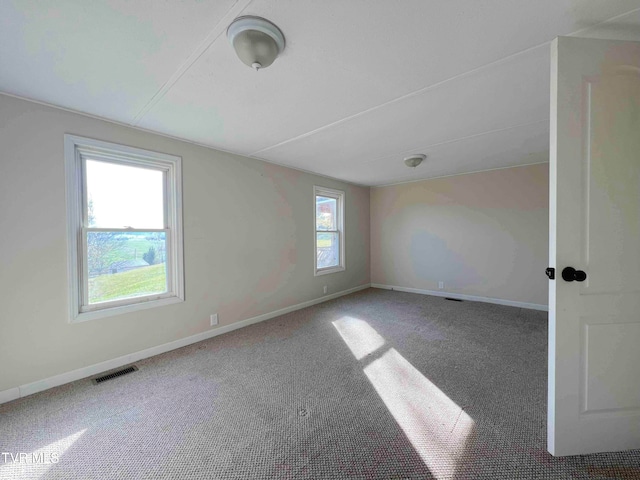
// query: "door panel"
[[610, 350], [613, 187], [594, 326]]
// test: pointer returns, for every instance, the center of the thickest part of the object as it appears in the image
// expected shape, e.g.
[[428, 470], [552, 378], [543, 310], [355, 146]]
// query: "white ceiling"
[[360, 85]]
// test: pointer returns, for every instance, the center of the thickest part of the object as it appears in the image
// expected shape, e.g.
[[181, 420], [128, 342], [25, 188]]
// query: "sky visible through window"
[[125, 196]]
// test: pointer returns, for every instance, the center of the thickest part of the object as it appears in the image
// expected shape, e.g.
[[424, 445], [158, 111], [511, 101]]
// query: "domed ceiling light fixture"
[[414, 160], [257, 41]]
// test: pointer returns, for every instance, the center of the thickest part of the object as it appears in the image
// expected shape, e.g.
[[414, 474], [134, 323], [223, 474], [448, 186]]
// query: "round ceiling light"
[[257, 41], [414, 160]]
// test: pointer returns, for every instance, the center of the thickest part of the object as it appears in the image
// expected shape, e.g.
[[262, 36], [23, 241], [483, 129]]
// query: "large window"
[[125, 228], [329, 230]]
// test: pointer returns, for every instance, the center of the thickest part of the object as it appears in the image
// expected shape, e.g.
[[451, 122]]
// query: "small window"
[[125, 228], [329, 230]]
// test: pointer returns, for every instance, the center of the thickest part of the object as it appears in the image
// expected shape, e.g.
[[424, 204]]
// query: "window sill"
[[134, 307], [326, 271]]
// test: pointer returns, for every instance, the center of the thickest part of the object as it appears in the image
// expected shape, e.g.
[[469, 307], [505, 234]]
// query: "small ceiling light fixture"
[[414, 160], [257, 41]]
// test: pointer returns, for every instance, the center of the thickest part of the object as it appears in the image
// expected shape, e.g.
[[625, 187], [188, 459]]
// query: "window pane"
[[328, 250], [126, 264], [326, 213], [121, 196]]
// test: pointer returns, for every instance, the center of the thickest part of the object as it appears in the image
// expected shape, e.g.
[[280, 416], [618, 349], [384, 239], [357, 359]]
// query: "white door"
[[594, 324]]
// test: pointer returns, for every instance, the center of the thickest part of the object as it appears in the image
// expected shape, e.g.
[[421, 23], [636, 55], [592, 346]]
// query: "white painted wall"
[[248, 230], [484, 234]]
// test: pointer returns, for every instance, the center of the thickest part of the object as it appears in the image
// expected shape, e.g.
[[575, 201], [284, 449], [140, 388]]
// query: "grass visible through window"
[[134, 283]]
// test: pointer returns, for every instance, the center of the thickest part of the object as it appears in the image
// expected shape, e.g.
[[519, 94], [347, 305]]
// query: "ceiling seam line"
[[402, 182], [459, 139], [398, 99], [308, 172], [174, 138], [128, 125], [200, 50], [435, 85], [603, 22]]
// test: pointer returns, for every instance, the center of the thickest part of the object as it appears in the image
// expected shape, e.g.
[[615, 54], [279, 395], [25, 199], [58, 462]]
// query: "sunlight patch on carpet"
[[435, 425], [359, 336], [33, 465]]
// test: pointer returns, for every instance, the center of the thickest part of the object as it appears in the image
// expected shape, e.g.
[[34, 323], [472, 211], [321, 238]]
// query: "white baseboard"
[[8, 395], [472, 298], [91, 370]]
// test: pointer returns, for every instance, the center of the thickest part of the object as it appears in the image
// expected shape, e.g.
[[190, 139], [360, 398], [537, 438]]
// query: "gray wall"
[[484, 234], [248, 242]]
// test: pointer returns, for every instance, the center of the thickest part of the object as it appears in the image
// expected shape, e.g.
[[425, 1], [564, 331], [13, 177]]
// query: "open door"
[[594, 246]]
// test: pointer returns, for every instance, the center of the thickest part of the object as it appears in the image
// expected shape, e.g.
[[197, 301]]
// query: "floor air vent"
[[115, 374], [453, 299]]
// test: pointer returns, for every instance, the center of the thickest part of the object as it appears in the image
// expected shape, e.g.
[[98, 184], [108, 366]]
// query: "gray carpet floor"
[[377, 384]]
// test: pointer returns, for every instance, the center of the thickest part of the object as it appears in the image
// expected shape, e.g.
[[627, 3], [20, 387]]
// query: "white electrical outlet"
[[214, 319], [440, 285], [324, 289]]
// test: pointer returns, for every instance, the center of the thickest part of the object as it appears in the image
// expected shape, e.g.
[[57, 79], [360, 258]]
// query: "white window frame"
[[76, 151], [339, 196]]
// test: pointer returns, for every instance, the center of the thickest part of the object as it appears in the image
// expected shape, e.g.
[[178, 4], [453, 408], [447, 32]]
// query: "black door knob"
[[570, 274]]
